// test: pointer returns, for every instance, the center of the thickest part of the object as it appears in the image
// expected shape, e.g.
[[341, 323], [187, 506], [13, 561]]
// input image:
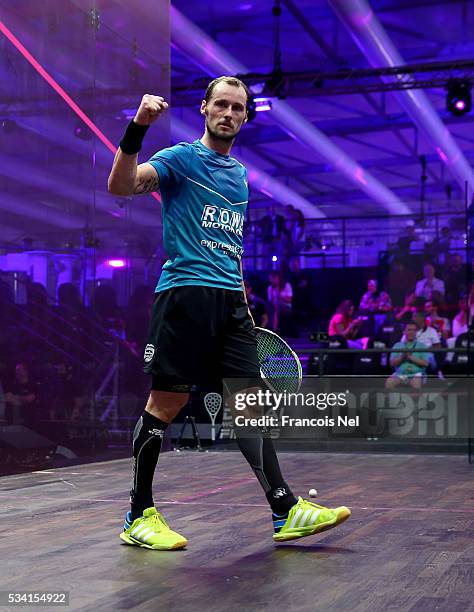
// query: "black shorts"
[[199, 335]]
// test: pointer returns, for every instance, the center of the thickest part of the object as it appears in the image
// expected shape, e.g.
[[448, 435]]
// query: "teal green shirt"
[[408, 368], [204, 201]]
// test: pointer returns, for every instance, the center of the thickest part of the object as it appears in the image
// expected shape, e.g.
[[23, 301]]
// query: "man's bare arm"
[[147, 179], [126, 177]]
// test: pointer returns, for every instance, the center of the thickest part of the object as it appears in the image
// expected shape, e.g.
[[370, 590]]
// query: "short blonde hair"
[[229, 80]]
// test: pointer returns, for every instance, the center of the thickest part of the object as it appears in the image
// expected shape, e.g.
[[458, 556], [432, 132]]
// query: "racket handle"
[[213, 433]]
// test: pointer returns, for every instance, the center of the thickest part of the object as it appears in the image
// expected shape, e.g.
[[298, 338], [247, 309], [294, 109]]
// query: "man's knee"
[[165, 405], [392, 382]]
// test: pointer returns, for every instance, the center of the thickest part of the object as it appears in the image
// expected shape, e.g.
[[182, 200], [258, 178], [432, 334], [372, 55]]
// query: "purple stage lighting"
[[116, 263], [60, 91], [459, 100], [262, 104]]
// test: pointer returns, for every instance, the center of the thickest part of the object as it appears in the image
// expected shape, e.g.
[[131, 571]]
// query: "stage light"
[[256, 105], [116, 263], [274, 258], [262, 104], [251, 109], [458, 100]]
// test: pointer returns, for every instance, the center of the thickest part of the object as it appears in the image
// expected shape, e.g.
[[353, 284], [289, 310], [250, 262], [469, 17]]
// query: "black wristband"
[[131, 142]]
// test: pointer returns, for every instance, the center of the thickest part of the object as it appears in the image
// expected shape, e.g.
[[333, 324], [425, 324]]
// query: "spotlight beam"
[[60, 91], [373, 41]]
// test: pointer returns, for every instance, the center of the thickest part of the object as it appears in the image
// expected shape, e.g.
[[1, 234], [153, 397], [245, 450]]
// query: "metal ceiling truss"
[[346, 81], [206, 53]]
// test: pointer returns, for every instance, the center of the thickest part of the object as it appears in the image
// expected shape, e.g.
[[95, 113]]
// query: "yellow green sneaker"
[[151, 531], [306, 518]]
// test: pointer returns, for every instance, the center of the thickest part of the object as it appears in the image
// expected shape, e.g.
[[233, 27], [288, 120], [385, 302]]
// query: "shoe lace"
[[307, 504], [157, 522]]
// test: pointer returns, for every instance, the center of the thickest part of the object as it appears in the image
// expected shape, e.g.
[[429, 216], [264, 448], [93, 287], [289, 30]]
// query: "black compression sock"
[[261, 455], [147, 439]]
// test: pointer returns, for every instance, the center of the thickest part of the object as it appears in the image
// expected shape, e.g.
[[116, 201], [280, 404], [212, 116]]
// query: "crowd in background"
[[53, 357], [51, 351]]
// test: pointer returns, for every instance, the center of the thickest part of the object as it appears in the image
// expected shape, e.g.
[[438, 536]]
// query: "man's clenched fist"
[[150, 109]]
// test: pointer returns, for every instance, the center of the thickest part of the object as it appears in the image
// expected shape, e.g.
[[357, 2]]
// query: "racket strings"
[[275, 359], [278, 363], [212, 411], [212, 403]]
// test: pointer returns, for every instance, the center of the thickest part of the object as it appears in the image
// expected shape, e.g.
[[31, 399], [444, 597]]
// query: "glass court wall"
[[77, 264]]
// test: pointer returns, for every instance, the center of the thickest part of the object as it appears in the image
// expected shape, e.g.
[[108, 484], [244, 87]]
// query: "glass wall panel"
[[78, 264]]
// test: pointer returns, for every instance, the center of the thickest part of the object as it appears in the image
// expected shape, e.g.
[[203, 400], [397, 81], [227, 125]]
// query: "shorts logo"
[[180, 388], [156, 432], [149, 352]]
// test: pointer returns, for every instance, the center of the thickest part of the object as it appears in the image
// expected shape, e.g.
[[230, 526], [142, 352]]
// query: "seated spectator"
[[257, 306], [107, 311], [410, 367], [36, 299], [290, 221], [275, 238], [280, 298], [443, 242], [402, 246], [460, 324], [470, 303], [374, 301], [21, 397], [400, 281], [69, 297], [385, 303], [440, 246], [405, 314], [461, 320], [429, 283], [428, 336], [413, 304], [273, 226], [440, 324], [38, 313], [64, 388], [342, 324], [70, 308], [455, 278], [302, 294], [298, 232], [137, 317]]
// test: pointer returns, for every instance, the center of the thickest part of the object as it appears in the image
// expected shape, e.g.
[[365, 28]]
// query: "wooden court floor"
[[409, 544]]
